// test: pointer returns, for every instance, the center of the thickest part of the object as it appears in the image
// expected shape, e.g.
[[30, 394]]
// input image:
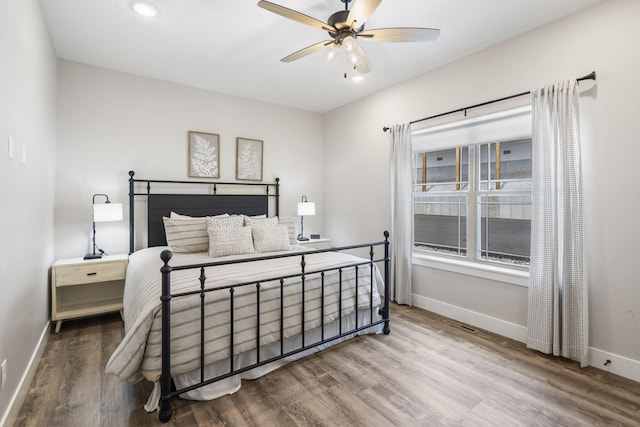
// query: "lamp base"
[[302, 239], [93, 256]]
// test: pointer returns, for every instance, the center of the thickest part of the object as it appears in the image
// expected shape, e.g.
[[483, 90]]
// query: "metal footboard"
[[167, 393]]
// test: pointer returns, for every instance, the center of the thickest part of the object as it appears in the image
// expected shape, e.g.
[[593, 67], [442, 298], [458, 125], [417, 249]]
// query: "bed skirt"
[[232, 384]]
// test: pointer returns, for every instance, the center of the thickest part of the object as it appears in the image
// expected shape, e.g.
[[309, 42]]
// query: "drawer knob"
[[91, 274]]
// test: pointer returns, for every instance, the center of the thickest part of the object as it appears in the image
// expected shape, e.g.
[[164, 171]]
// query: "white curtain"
[[401, 238], [558, 312]]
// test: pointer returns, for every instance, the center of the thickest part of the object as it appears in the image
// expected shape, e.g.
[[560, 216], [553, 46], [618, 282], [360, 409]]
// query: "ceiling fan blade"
[[403, 34], [294, 15], [307, 51], [361, 11]]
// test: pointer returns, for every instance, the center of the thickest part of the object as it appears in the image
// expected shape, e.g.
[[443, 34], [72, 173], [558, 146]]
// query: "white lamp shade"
[[306, 208], [107, 212]]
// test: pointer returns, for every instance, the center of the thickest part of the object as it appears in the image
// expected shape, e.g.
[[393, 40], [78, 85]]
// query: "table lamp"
[[103, 212]]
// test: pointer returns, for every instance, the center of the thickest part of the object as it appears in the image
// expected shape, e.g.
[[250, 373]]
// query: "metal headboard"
[[237, 198]]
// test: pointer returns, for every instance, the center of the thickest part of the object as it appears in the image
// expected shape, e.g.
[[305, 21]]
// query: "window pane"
[[440, 201], [442, 170], [440, 223], [505, 201], [505, 229], [513, 168]]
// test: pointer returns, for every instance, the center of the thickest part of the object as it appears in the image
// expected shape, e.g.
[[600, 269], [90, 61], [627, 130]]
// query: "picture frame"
[[204, 155], [249, 155]]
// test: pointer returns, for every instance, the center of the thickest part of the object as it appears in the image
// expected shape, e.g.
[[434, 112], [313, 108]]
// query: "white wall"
[[112, 122], [600, 38], [28, 114]]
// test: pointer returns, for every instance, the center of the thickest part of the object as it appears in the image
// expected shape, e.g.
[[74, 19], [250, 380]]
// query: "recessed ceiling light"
[[145, 9]]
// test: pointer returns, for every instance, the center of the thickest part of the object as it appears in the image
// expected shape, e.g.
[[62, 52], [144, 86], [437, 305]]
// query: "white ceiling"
[[235, 47]]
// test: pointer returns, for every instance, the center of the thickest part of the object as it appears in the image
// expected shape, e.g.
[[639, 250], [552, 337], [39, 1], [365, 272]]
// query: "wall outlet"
[[3, 368]]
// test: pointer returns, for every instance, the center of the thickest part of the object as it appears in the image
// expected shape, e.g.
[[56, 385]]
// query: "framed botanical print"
[[248, 159], [204, 155]]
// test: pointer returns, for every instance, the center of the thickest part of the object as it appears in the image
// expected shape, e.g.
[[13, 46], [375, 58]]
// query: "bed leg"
[[165, 410]]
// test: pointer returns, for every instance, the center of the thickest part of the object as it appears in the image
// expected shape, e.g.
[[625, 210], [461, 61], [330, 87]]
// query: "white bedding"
[[139, 354]]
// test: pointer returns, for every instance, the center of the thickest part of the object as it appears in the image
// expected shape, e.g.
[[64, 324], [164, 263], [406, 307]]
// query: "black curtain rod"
[[590, 76]]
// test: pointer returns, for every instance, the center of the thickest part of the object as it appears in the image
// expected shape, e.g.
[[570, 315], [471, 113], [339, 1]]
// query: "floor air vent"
[[461, 326]]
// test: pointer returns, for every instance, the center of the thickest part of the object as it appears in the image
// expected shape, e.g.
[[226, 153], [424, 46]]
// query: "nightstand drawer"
[[90, 273]]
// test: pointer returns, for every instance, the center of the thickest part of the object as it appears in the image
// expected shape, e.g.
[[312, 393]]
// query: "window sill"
[[486, 271]]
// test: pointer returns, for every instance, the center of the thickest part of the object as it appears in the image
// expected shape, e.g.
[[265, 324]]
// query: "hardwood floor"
[[428, 372]]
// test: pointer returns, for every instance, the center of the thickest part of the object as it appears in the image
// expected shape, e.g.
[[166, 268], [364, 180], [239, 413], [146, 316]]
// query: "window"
[[472, 193]]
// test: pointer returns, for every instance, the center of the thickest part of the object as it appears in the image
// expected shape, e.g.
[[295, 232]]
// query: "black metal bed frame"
[[168, 390]]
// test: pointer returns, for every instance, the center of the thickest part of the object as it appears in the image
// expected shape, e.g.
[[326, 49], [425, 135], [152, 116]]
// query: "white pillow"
[[231, 221], [186, 235], [230, 241], [253, 221], [270, 239]]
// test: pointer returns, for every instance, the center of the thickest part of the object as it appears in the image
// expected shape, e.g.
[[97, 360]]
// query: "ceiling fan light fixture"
[[355, 60], [332, 53], [356, 74], [350, 50], [145, 9]]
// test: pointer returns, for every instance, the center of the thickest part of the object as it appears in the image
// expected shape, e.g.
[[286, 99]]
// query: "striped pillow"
[[186, 235], [230, 241], [291, 228]]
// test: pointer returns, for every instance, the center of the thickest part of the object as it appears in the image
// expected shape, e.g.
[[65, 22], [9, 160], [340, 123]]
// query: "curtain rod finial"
[[590, 76]]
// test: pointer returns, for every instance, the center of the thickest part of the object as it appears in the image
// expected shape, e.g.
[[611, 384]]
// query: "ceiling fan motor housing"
[[339, 21]]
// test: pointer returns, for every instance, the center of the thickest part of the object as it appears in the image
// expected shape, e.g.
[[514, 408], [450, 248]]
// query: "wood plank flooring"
[[427, 372]]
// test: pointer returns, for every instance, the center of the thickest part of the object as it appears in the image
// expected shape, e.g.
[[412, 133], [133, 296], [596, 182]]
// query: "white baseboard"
[[15, 404], [620, 365], [492, 324]]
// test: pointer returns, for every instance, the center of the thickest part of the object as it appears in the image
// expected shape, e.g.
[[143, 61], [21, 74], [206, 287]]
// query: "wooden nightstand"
[[316, 243], [87, 287]]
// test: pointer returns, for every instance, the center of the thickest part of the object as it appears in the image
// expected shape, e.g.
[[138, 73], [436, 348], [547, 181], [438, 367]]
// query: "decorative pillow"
[[270, 239], [175, 215], [291, 228], [260, 221], [230, 241], [186, 235], [231, 221]]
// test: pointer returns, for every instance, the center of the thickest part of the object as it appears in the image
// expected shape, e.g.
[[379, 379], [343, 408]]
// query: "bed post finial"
[[277, 196], [131, 211]]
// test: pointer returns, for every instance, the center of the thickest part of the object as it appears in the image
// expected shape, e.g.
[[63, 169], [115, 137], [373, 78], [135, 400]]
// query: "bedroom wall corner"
[[28, 126]]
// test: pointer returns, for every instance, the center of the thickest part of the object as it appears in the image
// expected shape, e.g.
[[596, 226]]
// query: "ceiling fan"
[[344, 27]]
